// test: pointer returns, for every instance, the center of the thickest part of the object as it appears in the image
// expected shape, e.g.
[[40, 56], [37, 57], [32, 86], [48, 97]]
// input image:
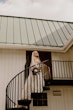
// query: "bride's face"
[[36, 54]]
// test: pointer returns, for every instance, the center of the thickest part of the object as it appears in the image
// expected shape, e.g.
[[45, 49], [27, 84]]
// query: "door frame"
[[43, 56]]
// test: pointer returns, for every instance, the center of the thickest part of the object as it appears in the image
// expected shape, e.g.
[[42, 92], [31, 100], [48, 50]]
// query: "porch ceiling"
[[35, 32]]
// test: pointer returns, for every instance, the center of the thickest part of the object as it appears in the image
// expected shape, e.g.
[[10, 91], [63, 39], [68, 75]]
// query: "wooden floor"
[[59, 98]]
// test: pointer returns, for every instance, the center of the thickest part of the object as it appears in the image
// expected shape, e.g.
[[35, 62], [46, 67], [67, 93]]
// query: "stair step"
[[24, 102], [17, 109], [46, 88]]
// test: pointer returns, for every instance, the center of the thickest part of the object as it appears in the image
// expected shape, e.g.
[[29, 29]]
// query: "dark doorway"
[[43, 56]]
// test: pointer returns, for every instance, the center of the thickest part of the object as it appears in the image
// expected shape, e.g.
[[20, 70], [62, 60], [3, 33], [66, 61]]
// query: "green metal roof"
[[36, 32]]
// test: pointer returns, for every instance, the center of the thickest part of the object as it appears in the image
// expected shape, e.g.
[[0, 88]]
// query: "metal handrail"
[[11, 100], [14, 80]]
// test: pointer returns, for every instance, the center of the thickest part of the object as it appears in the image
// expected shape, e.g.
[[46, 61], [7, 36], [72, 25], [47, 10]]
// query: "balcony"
[[62, 72]]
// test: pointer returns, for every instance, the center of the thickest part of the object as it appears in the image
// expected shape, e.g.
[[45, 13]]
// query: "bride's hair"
[[32, 57]]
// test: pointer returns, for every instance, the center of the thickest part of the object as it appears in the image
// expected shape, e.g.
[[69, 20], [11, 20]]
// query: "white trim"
[[68, 45], [40, 48], [28, 47]]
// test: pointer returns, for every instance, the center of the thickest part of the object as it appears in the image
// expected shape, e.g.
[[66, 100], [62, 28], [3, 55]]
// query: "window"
[[40, 99]]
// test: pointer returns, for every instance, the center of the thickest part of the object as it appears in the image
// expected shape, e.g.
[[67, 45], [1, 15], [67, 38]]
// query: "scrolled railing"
[[13, 90], [20, 87]]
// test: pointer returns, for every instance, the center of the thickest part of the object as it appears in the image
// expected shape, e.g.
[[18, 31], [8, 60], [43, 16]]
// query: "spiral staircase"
[[19, 92]]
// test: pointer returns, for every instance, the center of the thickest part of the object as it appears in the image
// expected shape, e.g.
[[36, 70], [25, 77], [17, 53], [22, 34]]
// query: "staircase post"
[[6, 100]]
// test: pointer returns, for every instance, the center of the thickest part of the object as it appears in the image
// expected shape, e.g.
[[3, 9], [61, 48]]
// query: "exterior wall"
[[68, 56], [58, 102], [11, 63], [63, 69]]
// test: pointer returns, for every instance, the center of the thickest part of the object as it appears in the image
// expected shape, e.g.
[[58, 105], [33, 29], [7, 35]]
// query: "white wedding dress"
[[34, 83]]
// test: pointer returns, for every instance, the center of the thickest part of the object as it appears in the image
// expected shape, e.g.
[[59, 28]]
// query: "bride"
[[35, 80]]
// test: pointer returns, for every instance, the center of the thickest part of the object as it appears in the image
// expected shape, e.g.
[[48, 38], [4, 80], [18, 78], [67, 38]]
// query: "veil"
[[35, 63], [32, 58]]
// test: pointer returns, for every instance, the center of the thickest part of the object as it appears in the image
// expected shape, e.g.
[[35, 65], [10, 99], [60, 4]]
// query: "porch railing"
[[62, 70]]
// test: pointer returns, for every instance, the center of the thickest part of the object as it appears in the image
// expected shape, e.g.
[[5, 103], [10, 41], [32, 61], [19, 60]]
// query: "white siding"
[[68, 56], [11, 63], [63, 102]]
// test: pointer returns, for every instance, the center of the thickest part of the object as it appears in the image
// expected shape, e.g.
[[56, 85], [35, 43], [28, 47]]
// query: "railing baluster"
[[27, 85], [57, 70], [62, 69], [18, 88], [20, 85], [59, 67], [10, 95], [70, 66], [7, 97], [72, 69], [15, 90], [13, 93], [70, 72], [24, 81]]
